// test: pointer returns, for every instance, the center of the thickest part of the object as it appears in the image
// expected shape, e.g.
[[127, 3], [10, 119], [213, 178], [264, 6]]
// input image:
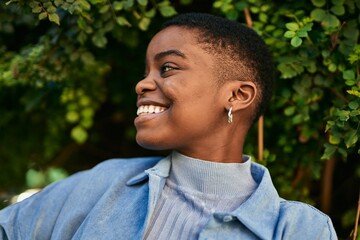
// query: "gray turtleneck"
[[194, 190]]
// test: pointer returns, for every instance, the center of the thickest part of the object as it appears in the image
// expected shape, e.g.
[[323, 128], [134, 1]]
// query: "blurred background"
[[68, 69]]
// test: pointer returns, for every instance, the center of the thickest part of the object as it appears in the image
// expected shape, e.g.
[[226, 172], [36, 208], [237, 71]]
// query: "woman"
[[206, 81]]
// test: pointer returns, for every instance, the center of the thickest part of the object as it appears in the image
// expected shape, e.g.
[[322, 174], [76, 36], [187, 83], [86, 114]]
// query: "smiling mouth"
[[149, 109]]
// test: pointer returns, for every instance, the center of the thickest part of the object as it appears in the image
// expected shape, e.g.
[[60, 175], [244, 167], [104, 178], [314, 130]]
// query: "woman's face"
[[180, 105]]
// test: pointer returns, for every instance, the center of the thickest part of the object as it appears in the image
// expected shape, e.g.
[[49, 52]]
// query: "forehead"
[[175, 38]]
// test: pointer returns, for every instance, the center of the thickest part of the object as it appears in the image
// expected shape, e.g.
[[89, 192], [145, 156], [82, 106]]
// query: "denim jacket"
[[115, 199]]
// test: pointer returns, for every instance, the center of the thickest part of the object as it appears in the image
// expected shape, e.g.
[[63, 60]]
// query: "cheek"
[[172, 90]]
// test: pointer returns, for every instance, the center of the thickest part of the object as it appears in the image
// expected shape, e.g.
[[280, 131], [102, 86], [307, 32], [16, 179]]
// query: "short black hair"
[[240, 51]]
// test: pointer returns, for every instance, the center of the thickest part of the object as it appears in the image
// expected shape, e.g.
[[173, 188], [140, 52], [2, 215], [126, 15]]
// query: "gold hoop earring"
[[230, 116]]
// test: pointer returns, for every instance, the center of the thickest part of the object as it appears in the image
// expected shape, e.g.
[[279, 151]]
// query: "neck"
[[219, 154], [224, 145]]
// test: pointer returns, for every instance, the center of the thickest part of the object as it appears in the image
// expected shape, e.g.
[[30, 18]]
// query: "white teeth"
[[151, 108], [147, 109]]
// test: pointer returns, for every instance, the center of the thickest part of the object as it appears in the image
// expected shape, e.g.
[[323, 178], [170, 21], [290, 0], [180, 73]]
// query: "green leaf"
[[217, 4], [167, 11], [332, 67], [265, 7], [118, 6], [232, 15], [33, 4], [289, 110], [270, 28], [79, 134], [318, 3], [286, 70], [53, 17], [338, 2], [351, 138], [43, 15], [354, 92], [144, 23], [37, 9], [325, 53], [85, 5], [11, 1], [355, 113], [47, 4], [329, 125], [330, 21], [302, 33], [254, 9], [338, 10], [35, 179], [143, 2], [329, 151], [151, 13], [351, 30], [56, 174], [318, 14], [334, 138], [343, 114], [353, 105], [104, 9], [292, 26], [122, 21], [289, 34], [72, 116], [128, 4], [349, 75], [307, 27], [58, 2], [81, 23], [240, 6], [263, 17], [296, 41], [87, 58], [99, 40], [297, 119], [51, 9], [82, 37]]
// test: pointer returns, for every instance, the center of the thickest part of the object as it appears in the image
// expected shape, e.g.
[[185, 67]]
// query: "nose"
[[145, 85]]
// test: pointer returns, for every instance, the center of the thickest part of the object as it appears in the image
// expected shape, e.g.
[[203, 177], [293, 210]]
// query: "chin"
[[151, 144]]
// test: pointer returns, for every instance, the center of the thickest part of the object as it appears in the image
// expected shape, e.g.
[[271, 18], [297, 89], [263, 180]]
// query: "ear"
[[243, 95]]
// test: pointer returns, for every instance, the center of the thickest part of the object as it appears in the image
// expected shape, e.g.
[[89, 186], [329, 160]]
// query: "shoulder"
[[291, 219], [72, 198], [93, 182], [108, 172], [121, 166], [303, 221]]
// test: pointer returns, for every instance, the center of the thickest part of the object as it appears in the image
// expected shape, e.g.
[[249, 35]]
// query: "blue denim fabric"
[[113, 200]]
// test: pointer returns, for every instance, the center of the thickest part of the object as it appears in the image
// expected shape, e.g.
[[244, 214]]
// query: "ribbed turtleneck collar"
[[208, 177]]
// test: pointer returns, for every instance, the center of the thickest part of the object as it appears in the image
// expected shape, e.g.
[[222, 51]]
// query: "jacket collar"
[[259, 213], [161, 169]]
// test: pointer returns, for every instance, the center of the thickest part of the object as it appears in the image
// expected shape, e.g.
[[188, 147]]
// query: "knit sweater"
[[194, 190]]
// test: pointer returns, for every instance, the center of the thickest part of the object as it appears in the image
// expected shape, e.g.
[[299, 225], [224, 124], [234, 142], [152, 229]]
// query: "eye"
[[167, 67]]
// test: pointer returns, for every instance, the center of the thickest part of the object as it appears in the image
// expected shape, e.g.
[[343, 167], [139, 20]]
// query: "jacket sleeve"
[[302, 221], [34, 218]]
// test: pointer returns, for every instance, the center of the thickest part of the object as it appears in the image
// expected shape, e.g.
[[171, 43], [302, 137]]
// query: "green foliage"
[[53, 80], [39, 179], [70, 73]]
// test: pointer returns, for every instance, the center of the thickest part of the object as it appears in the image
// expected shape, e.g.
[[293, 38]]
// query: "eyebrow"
[[170, 52]]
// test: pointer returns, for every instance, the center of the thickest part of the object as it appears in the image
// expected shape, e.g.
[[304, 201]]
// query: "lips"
[[150, 109]]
